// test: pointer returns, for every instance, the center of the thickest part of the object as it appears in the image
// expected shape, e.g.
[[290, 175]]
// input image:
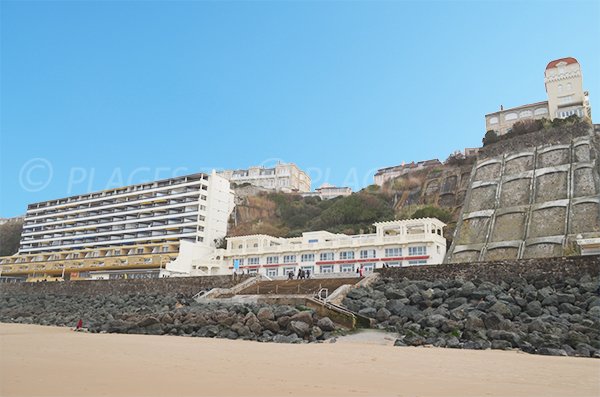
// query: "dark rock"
[[534, 308], [370, 312], [548, 351], [292, 338], [303, 316], [300, 328], [414, 340], [265, 313], [271, 325], [147, 321], [326, 324], [383, 314], [501, 344], [501, 309]]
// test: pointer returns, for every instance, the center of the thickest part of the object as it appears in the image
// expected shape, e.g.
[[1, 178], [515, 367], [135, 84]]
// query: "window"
[[240, 246], [307, 258], [314, 240], [392, 252], [525, 114], [326, 269], [560, 88], [493, 120], [310, 268], [346, 255], [164, 249], [140, 250], [346, 268], [364, 254], [289, 258], [240, 261], [420, 250], [394, 264], [540, 111], [252, 271], [286, 270], [326, 256], [272, 259], [368, 267], [417, 262], [510, 116], [253, 261], [273, 272]]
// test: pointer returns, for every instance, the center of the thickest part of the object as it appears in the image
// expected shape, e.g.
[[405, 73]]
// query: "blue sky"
[[98, 94]]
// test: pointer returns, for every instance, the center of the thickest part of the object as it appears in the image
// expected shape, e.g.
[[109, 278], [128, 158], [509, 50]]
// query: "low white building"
[[284, 177], [327, 191], [395, 243]]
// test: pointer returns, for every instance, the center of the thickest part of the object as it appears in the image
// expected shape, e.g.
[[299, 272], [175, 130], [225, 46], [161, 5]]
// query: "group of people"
[[302, 274]]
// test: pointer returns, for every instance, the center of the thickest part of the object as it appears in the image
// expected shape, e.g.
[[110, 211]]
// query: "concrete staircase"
[[323, 295], [297, 287]]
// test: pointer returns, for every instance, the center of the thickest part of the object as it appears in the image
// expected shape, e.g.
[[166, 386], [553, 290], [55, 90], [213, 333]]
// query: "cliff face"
[[526, 200]]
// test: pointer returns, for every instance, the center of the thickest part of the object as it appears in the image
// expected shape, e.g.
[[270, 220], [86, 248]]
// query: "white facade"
[[327, 191], [283, 177], [385, 174], [192, 208], [564, 86], [395, 243]]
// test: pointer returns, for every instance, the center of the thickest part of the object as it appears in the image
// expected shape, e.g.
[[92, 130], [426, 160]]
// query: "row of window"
[[344, 268], [344, 255], [521, 115]]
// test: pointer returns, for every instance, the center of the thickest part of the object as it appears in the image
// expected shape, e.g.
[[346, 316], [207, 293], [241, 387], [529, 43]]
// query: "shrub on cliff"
[[433, 212], [490, 137], [458, 158], [525, 126], [10, 235]]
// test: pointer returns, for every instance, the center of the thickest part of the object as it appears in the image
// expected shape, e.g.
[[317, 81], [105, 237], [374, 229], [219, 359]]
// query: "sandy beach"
[[52, 361]]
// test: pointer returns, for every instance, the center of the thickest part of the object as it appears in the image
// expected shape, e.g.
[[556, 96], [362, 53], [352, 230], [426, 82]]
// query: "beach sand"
[[52, 361]]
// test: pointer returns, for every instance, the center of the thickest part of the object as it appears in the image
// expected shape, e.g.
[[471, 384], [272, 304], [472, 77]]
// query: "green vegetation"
[[351, 214], [10, 235], [433, 212], [527, 126]]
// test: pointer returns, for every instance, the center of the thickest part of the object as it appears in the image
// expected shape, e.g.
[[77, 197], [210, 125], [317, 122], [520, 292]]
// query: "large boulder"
[[303, 316], [326, 324], [300, 328], [383, 314], [265, 313], [502, 309]]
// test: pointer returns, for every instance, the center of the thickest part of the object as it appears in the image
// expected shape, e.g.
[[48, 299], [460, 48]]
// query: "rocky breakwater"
[[172, 315], [559, 317]]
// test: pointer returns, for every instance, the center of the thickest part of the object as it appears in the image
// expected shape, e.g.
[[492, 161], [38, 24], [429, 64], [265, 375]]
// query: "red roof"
[[568, 60]]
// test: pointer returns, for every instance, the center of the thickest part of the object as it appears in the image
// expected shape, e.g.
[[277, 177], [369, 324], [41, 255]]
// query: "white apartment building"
[[192, 208], [395, 243], [284, 177], [327, 192]]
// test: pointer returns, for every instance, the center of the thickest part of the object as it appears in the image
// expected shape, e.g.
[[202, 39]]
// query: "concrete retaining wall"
[[546, 270], [186, 286]]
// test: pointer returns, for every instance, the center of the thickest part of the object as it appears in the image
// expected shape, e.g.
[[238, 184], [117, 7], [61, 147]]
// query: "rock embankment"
[[172, 315], [560, 317]]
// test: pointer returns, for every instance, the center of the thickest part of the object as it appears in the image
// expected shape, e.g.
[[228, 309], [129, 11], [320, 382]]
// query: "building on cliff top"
[[327, 192], [285, 177], [385, 174], [566, 97]]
